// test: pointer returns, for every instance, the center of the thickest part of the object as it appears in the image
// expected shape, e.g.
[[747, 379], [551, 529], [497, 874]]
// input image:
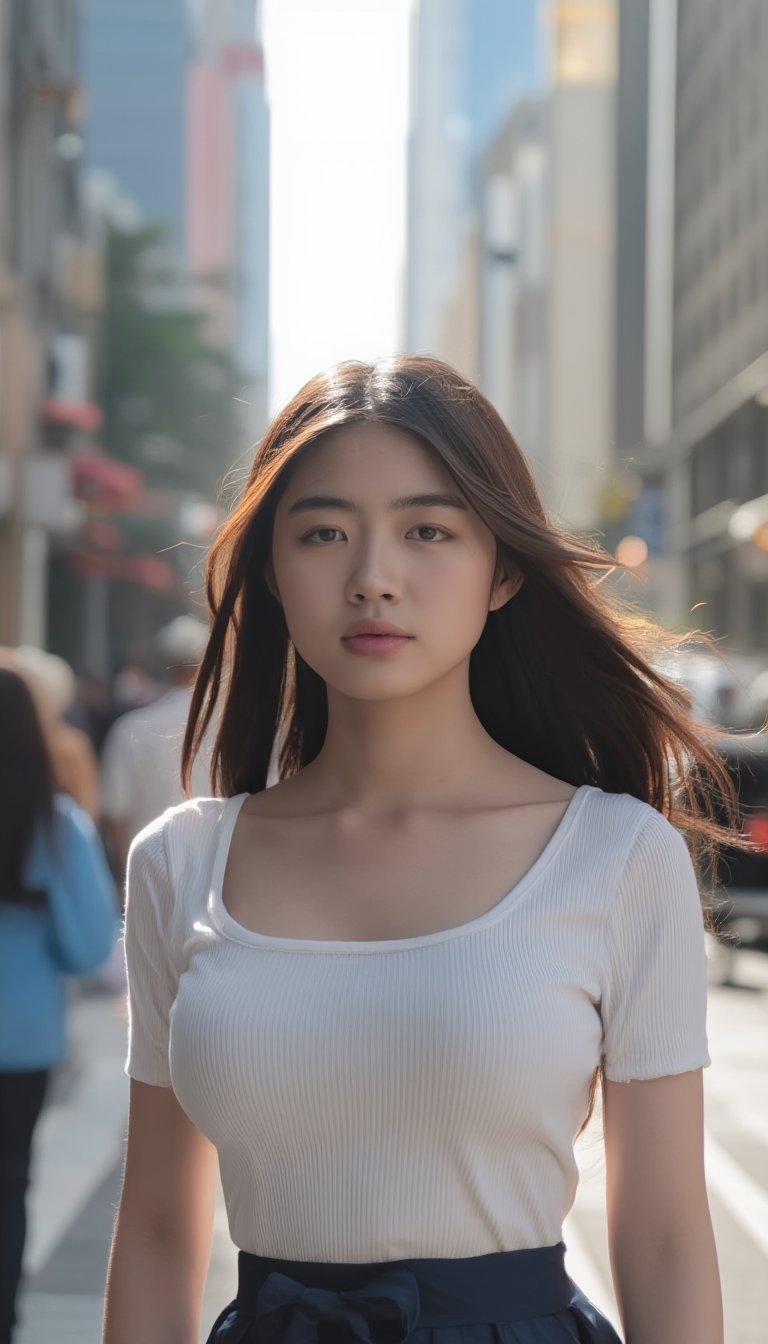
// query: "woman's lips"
[[375, 643]]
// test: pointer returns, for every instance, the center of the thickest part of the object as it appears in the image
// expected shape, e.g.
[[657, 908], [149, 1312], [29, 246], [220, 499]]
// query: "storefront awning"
[[84, 415], [100, 480]]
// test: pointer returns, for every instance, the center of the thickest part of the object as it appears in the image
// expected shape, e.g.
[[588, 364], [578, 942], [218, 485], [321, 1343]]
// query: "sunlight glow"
[[337, 81]]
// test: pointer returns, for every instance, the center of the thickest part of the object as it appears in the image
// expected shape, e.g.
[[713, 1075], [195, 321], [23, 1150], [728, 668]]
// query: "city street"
[[399, 251], [79, 1155]]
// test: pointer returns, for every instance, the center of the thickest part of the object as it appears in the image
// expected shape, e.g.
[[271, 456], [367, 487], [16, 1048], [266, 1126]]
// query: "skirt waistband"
[[387, 1300]]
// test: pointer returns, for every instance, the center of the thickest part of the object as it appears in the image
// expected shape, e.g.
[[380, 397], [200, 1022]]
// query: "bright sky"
[[337, 83]]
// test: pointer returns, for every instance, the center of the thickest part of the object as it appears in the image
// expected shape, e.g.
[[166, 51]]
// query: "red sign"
[[78, 414], [98, 479], [242, 58], [149, 571]]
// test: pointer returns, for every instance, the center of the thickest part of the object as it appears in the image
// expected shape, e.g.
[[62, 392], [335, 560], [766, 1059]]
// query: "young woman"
[[58, 917], [383, 990]]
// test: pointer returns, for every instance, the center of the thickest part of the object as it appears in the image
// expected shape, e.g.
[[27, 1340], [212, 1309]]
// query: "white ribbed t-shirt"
[[374, 1101]]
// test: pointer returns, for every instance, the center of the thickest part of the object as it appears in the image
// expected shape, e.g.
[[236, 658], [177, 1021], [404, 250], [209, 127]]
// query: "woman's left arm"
[[660, 1237]]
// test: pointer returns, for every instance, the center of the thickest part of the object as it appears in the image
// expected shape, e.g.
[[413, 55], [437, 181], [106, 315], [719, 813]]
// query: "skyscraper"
[[504, 60], [645, 173], [438, 166], [514, 275], [580, 316], [133, 59], [228, 178], [469, 64], [719, 441]]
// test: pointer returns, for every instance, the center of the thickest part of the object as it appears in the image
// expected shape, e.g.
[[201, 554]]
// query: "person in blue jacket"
[[59, 917]]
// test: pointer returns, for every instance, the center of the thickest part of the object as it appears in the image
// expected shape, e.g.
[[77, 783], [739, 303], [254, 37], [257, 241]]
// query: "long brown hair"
[[26, 787], [565, 675]]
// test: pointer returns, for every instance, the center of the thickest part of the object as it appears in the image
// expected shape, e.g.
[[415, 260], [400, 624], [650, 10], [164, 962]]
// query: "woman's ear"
[[505, 590]]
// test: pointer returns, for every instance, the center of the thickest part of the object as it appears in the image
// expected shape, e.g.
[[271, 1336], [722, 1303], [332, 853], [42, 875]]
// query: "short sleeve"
[[152, 978], [654, 999]]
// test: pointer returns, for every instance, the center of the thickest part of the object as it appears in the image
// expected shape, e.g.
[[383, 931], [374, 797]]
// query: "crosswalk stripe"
[[751, 1122], [89, 1128], [745, 1200]]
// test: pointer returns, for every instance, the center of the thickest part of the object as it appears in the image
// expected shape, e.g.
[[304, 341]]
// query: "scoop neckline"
[[236, 932]]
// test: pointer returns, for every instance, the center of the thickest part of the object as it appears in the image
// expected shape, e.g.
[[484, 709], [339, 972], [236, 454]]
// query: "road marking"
[[89, 1127], [750, 1122], [745, 1200], [69, 1318]]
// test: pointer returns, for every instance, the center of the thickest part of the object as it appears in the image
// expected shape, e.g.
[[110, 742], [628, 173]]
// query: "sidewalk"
[[77, 1170]]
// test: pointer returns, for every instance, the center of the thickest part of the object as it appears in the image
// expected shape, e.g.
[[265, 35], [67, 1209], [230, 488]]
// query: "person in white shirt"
[[142, 750], [378, 998]]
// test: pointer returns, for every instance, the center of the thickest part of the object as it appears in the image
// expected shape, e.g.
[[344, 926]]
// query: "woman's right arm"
[[164, 1223], [164, 1226]]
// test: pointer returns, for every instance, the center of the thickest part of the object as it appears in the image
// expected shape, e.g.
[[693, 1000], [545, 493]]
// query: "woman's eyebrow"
[[431, 500]]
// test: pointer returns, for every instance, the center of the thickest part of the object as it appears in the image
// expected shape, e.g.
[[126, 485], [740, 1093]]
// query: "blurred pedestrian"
[[133, 685], [141, 757], [59, 916], [379, 997], [93, 708], [53, 686]]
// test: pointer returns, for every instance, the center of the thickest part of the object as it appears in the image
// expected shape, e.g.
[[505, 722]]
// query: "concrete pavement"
[[76, 1185]]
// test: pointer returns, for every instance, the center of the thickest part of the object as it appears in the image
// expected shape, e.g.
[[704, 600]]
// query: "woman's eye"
[[316, 530], [429, 527], [422, 527]]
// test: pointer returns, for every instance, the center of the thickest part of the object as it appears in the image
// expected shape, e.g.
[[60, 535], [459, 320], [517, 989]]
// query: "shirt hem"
[[146, 1076], [644, 1072]]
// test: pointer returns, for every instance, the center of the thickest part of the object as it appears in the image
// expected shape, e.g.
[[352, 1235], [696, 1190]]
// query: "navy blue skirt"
[[508, 1297]]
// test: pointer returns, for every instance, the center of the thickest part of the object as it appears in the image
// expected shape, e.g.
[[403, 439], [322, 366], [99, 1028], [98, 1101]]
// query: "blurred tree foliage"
[[168, 395]]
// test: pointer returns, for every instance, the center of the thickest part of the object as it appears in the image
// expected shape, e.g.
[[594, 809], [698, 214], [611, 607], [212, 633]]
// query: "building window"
[[735, 136], [752, 279], [758, 601], [754, 111], [739, 468], [708, 476]]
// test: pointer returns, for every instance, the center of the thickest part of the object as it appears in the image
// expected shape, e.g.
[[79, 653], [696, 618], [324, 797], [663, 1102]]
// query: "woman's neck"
[[386, 757]]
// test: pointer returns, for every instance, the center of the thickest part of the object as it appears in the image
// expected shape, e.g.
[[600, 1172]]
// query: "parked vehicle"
[[740, 901], [725, 691]]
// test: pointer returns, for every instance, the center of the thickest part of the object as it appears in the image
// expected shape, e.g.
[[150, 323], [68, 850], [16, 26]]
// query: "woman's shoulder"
[[180, 835], [193, 813], [627, 805], [629, 821], [647, 853]]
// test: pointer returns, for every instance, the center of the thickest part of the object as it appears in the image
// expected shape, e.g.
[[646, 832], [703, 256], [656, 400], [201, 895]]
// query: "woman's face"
[[426, 568]]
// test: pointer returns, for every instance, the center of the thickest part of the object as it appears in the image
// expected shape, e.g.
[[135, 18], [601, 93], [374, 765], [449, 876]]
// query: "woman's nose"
[[374, 576]]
